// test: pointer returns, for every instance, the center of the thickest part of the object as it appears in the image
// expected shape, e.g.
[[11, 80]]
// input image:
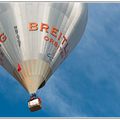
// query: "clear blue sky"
[[86, 84]]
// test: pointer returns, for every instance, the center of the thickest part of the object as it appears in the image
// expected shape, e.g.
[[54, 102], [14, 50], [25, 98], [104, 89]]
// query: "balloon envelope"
[[39, 36]]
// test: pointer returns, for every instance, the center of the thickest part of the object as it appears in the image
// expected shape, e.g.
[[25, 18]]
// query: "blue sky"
[[87, 84]]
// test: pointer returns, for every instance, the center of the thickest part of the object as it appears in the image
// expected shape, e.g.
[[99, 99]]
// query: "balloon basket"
[[34, 104]]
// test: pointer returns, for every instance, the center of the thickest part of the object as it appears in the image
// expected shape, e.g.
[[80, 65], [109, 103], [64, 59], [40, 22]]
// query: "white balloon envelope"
[[36, 37]]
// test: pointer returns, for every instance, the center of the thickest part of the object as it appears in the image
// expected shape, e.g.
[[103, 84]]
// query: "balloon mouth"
[[34, 104]]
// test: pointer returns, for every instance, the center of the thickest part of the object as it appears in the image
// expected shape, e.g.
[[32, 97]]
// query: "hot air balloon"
[[36, 37]]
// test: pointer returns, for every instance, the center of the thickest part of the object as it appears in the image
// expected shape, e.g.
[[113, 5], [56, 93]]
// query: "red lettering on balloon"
[[3, 37]]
